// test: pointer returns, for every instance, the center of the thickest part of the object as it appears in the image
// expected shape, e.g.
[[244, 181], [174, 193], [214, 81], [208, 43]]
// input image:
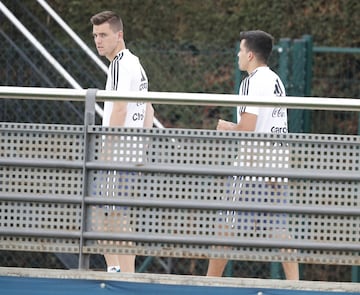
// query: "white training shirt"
[[125, 73], [264, 82]]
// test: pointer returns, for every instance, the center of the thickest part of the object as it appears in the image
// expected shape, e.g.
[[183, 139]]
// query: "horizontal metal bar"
[[188, 240], [43, 198], [340, 50], [224, 205], [181, 204], [203, 99], [186, 169], [41, 163], [229, 241], [178, 98], [41, 93], [172, 134], [219, 170], [40, 233], [42, 128]]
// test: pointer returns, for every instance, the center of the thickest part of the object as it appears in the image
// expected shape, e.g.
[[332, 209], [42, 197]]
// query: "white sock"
[[115, 268]]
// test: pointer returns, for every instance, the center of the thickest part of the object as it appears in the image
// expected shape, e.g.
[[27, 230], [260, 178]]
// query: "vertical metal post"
[[237, 76], [355, 274], [308, 64], [228, 272], [237, 70], [298, 56], [284, 61], [308, 77], [89, 119], [299, 120], [276, 271]]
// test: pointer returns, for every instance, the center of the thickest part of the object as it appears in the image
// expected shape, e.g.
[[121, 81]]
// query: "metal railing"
[[177, 98], [179, 192]]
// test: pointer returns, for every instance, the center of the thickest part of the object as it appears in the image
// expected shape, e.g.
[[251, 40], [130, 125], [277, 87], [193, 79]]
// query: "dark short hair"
[[259, 42], [108, 16]]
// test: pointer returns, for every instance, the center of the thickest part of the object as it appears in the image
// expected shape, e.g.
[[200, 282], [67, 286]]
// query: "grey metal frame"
[[183, 193]]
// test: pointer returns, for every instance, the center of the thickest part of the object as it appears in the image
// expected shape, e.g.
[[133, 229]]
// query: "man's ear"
[[120, 35], [250, 55]]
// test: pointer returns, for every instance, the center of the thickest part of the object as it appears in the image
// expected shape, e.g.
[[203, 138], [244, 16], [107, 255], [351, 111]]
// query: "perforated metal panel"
[[183, 193], [187, 176], [37, 188]]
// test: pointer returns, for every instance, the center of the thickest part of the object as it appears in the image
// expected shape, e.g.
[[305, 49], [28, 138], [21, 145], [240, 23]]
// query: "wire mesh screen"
[[336, 75], [38, 144], [208, 154]]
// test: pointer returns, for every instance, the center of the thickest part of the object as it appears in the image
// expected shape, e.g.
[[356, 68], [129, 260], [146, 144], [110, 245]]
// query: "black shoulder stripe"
[[244, 90], [245, 84], [115, 70], [114, 74], [119, 56]]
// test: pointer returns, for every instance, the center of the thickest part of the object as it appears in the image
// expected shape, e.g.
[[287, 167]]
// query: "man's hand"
[[247, 123], [225, 125]]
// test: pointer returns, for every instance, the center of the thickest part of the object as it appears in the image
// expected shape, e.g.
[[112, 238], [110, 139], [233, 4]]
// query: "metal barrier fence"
[[184, 193], [172, 67]]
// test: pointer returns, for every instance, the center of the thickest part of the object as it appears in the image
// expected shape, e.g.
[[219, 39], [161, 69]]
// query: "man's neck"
[[253, 67], [116, 51]]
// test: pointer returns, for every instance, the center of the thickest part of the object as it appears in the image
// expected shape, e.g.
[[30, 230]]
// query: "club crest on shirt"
[[278, 113], [143, 86]]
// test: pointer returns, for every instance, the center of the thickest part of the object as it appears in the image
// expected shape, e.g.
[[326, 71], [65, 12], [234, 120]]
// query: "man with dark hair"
[[255, 49], [125, 74]]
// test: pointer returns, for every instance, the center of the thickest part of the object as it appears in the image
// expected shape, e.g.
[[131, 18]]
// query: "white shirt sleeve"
[[120, 78], [253, 90]]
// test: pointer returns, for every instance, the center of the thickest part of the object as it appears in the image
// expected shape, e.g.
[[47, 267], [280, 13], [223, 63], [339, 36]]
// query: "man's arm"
[[247, 123], [149, 116], [118, 113], [122, 83]]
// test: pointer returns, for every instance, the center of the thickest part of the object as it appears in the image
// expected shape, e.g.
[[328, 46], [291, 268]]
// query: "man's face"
[[243, 56], [107, 41]]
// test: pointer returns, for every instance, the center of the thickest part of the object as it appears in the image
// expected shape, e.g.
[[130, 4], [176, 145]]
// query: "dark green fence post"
[[228, 272], [237, 76], [237, 70], [284, 61], [276, 271], [299, 120], [308, 64], [308, 77], [355, 274]]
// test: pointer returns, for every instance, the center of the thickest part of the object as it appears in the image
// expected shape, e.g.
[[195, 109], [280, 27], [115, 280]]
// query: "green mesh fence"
[[336, 74]]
